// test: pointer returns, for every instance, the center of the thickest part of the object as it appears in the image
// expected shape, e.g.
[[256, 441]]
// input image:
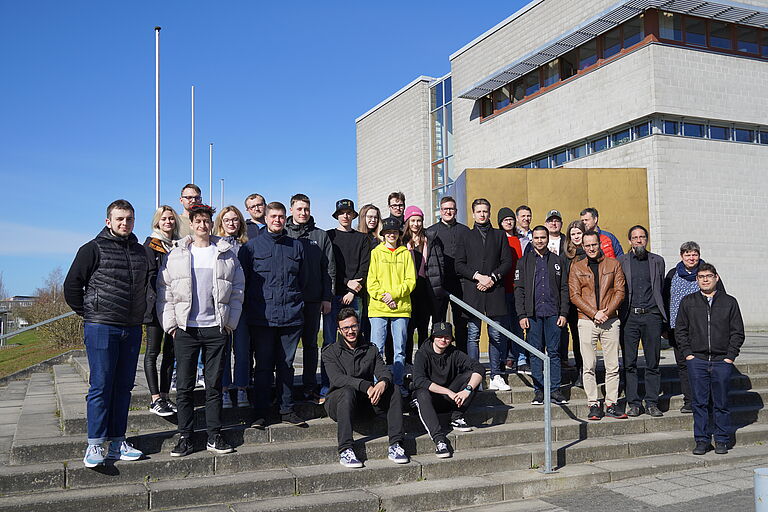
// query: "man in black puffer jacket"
[[108, 286]]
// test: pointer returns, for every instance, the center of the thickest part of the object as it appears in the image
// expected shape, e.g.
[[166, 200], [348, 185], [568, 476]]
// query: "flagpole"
[[210, 173], [193, 134], [157, 117], [221, 204]]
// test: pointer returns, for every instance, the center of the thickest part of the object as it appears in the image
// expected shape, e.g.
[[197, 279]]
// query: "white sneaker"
[[497, 383], [226, 400], [200, 379], [242, 398]]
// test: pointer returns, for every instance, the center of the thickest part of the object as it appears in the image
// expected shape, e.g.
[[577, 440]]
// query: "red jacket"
[[607, 246], [517, 253]]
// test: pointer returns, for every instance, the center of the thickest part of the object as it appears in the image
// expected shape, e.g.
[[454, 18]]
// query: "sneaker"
[[173, 381], [524, 369], [397, 455], [614, 412], [242, 398], [183, 448], [557, 397], [721, 448], [293, 419], [511, 365], [259, 422], [538, 398], [686, 409], [94, 456], [634, 410], [200, 383], [171, 405], [226, 400], [442, 451], [161, 408], [217, 444], [461, 425], [595, 412], [702, 447], [653, 410], [123, 450], [497, 383], [348, 459]]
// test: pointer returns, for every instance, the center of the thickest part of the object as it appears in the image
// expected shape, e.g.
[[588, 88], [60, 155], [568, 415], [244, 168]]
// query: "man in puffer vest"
[[107, 285]]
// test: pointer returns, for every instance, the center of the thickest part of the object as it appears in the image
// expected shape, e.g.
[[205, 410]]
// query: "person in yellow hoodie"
[[391, 279]]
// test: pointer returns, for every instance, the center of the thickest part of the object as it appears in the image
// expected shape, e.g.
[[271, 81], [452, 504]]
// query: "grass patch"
[[30, 351]]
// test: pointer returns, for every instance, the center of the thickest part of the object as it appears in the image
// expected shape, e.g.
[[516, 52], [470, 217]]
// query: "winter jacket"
[[524, 284], [609, 243], [656, 267], [707, 332], [354, 368], [156, 253], [275, 275], [435, 265], [429, 366], [175, 286], [252, 229], [449, 235], [516, 250], [672, 304], [581, 286], [318, 257], [490, 258], [390, 272], [109, 281]]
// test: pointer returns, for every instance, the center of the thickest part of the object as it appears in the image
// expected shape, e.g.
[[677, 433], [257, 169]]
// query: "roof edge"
[[422, 78]]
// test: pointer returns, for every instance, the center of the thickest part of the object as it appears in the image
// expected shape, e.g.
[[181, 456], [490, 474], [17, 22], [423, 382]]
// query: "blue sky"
[[277, 85]]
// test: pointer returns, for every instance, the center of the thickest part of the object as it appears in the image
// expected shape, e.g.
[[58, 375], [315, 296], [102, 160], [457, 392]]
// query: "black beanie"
[[504, 213]]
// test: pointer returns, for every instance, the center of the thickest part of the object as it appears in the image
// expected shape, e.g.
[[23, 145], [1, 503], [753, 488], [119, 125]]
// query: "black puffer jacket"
[[108, 282], [435, 265]]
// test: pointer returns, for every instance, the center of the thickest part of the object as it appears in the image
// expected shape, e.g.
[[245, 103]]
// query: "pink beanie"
[[411, 211]]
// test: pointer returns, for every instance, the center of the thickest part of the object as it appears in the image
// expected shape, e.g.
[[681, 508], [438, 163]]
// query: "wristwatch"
[[468, 388]]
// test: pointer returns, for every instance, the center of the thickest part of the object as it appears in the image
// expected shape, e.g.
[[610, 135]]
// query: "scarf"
[[684, 273], [163, 238], [483, 228]]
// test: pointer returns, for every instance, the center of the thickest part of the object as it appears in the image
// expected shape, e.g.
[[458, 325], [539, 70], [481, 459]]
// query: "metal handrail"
[[545, 359], [34, 326]]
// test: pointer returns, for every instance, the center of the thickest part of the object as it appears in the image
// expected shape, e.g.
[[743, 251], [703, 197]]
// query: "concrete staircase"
[[283, 467]]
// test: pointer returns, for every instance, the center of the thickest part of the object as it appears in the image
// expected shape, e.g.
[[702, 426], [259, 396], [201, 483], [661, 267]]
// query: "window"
[[720, 35], [551, 72], [569, 64], [719, 132], [764, 44], [438, 176], [519, 91], [449, 129], [587, 54], [670, 26], [531, 81], [643, 130], [620, 138], [612, 43], [695, 31], [634, 31], [670, 127], [598, 145], [763, 138], [501, 98], [449, 170], [437, 134], [694, 130], [448, 93], [437, 96], [486, 106], [579, 151], [742, 135], [746, 39], [528, 165], [542, 163], [559, 158]]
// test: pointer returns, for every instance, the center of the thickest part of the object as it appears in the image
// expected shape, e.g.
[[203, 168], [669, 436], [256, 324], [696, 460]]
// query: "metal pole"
[[34, 326], [193, 134], [210, 173], [221, 204], [157, 117]]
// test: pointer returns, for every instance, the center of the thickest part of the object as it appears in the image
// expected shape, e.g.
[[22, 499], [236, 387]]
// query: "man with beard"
[[642, 317]]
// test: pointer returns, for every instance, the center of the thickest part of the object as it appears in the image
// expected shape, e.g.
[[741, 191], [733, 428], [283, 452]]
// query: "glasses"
[[349, 328], [705, 277], [397, 205], [230, 221], [191, 198], [447, 209], [256, 206]]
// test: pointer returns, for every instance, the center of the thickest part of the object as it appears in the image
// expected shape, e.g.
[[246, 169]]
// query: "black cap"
[[442, 329], [504, 213], [344, 204], [390, 224]]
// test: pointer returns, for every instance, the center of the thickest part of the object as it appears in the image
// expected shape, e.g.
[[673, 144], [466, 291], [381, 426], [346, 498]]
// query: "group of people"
[[212, 286]]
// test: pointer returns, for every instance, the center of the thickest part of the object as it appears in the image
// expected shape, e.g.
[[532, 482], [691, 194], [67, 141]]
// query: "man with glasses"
[[190, 195], [709, 333], [360, 385], [449, 231], [255, 205], [556, 243], [396, 202]]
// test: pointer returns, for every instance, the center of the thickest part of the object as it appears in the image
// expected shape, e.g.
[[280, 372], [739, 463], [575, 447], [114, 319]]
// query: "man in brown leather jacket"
[[596, 286]]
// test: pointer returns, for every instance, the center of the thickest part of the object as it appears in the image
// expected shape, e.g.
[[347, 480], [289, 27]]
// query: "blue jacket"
[[275, 275]]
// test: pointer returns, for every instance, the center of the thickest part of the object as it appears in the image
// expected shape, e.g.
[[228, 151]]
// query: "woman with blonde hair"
[[230, 225], [165, 231]]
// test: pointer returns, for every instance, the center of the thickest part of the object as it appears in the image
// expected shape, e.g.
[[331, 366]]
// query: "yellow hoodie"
[[391, 272]]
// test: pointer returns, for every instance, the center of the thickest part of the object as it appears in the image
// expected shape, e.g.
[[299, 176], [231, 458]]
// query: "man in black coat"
[[710, 332], [482, 260]]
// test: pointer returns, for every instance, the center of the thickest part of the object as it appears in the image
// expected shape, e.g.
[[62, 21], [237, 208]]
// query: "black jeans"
[[682, 369], [573, 327], [189, 344], [155, 338], [309, 344], [274, 349], [421, 311], [459, 320], [647, 327], [429, 404], [344, 404]]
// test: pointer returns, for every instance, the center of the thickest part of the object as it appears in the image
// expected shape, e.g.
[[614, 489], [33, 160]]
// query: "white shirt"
[[202, 313], [554, 245]]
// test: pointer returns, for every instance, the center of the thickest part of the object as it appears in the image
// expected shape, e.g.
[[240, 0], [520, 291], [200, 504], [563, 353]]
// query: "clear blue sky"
[[278, 87]]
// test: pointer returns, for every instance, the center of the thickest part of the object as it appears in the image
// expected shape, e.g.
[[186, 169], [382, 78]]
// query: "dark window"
[[519, 90], [633, 31], [448, 93], [531, 82], [438, 176], [746, 39], [598, 145], [694, 130], [620, 138], [611, 43], [501, 98], [588, 54], [486, 104], [670, 127], [569, 64], [695, 31], [551, 72], [764, 43], [448, 113], [438, 96], [527, 165], [643, 130], [578, 151], [560, 158], [763, 138], [720, 35], [670, 26], [742, 135], [719, 132], [542, 163]]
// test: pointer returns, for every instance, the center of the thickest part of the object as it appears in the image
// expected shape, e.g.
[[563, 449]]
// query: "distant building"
[[10, 319]]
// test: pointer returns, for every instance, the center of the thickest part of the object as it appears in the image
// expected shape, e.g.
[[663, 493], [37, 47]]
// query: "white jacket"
[[174, 286]]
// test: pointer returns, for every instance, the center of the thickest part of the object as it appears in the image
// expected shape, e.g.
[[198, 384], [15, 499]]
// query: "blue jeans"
[[329, 330], [242, 341], [113, 353], [710, 379], [543, 332], [516, 352], [497, 343], [399, 327]]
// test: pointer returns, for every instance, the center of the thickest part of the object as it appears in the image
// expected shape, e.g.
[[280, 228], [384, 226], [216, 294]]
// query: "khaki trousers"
[[608, 335]]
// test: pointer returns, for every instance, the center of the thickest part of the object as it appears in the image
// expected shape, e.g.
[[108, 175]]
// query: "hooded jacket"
[[174, 286], [581, 286], [390, 272], [354, 368], [318, 257], [712, 333], [429, 366]]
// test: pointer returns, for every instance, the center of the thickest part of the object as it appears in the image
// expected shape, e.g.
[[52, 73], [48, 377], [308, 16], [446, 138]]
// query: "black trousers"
[[344, 404], [682, 369], [309, 344], [459, 319], [573, 327], [156, 338], [429, 404], [647, 327], [274, 349], [189, 344], [421, 311]]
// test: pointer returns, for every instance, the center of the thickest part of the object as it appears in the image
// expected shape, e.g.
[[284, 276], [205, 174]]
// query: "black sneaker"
[[557, 397], [294, 419], [721, 448], [524, 369], [702, 447], [538, 398], [653, 410], [634, 410], [218, 445], [442, 450], [614, 411], [595, 412], [461, 425], [686, 409], [183, 448], [161, 408], [171, 405]]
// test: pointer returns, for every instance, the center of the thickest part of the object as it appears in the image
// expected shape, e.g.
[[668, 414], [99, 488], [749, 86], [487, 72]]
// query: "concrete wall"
[[393, 149]]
